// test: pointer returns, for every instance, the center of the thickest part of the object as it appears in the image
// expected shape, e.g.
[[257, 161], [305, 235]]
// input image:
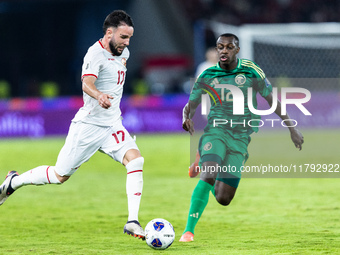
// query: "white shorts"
[[84, 139]]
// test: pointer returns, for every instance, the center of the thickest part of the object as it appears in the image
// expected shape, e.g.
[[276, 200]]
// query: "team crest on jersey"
[[240, 79], [207, 146], [124, 61]]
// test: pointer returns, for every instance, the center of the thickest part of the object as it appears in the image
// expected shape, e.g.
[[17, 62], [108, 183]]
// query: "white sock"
[[134, 186], [40, 175]]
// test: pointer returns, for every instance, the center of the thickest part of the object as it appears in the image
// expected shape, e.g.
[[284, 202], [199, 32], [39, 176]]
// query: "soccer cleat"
[[6, 189], [187, 237], [194, 169], [133, 228]]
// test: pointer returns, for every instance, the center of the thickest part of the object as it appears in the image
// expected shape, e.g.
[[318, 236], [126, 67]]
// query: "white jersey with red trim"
[[110, 72]]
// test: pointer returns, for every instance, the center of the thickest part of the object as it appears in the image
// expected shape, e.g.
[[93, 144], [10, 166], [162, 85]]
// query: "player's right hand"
[[297, 138], [188, 125], [104, 100]]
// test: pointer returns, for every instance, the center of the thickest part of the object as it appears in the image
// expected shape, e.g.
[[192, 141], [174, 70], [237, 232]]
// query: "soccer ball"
[[159, 234]]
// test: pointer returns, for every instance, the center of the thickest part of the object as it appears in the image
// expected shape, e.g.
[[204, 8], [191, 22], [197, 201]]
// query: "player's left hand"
[[188, 125], [297, 138], [104, 100]]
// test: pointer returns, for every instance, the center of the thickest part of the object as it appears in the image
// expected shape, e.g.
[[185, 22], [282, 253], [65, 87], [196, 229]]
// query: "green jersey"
[[247, 74]]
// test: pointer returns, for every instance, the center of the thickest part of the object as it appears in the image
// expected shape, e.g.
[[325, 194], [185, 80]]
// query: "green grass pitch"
[[86, 215]]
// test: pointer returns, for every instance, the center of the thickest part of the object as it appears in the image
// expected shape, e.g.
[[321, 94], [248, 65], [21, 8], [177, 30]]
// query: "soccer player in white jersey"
[[97, 125]]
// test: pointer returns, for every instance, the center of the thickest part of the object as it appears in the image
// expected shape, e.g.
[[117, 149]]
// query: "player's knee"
[[136, 163], [62, 179], [224, 199], [132, 155]]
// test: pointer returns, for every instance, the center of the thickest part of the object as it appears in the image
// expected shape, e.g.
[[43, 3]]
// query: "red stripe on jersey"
[[135, 171], [90, 74], [101, 44], [48, 179]]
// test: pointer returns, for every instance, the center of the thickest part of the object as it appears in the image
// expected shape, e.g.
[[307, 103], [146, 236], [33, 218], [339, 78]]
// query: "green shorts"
[[229, 150]]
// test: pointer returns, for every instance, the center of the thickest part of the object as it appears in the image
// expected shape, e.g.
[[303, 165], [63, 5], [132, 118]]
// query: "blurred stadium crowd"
[[263, 11]]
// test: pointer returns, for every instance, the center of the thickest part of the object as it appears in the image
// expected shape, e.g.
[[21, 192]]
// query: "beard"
[[113, 49]]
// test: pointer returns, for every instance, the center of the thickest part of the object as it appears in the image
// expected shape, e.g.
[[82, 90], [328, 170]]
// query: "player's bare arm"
[[295, 134], [90, 88], [188, 113]]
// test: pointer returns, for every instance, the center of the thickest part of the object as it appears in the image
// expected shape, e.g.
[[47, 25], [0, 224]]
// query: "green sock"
[[213, 190], [199, 200]]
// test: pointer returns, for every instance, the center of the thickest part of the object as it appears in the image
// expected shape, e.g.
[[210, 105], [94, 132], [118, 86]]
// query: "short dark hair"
[[117, 18], [231, 35]]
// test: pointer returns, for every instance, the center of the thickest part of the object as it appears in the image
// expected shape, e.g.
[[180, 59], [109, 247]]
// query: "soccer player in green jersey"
[[224, 146]]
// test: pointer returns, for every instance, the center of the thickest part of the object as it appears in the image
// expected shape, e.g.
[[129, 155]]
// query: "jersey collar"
[[238, 65], [100, 42], [105, 50]]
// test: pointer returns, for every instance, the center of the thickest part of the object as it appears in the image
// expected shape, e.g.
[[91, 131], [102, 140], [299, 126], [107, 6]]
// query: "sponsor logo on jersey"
[[124, 61], [240, 79], [207, 146], [111, 59]]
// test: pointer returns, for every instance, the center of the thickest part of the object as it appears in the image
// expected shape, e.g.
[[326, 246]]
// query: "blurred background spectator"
[[211, 58], [263, 11]]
